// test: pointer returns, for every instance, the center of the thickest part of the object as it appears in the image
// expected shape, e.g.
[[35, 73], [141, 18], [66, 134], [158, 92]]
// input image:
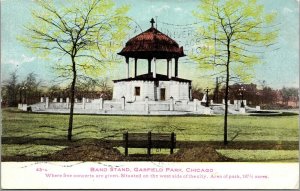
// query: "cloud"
[[24, 59], [178, 9], [287, 10], [158, 10]]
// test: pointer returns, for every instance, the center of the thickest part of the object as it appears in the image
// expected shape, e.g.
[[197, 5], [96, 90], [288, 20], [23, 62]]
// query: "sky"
[[280, 67]]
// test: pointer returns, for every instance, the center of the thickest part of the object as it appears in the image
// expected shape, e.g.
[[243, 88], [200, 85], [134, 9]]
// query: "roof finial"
[[152, 23]]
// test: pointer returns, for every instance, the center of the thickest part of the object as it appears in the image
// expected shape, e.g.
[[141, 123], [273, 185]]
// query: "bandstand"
[[152, 45]]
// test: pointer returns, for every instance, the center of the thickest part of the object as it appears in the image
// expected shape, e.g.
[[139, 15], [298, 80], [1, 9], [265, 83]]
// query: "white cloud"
[[158, 10], [178, 9], [27, 59], [287, 10], [24, 59]]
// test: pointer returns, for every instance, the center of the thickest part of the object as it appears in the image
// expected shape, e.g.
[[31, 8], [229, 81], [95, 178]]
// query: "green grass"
[[261, 155], [29, 149], [23, 126], [279, 128]]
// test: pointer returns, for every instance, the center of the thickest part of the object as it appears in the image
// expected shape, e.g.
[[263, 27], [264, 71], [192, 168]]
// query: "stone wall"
[[119, 105], [175, 89]]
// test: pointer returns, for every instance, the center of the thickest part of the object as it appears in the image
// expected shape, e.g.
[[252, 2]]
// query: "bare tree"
[[11, 89], [233, 38], [82, 36]]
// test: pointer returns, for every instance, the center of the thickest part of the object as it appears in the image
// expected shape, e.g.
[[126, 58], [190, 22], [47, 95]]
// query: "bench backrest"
[[156, 140]]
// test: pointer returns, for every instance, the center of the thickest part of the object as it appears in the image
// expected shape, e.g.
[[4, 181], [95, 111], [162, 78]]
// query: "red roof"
[[152, 43]]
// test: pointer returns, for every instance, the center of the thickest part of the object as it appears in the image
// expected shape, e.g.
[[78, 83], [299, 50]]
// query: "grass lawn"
[[22, 126]]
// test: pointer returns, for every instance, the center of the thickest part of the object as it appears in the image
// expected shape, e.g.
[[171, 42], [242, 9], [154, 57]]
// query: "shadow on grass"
[[248, 145]]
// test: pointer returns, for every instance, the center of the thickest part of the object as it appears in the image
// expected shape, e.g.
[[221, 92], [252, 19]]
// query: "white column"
[[101, 103], [47, 103], [123, 103], [195, 104], [170, 76], [171, 104], [154, 68], [42, 99], [83, 103], [147, 104], [67, 101], [257, 108], [60, 100], [55, 100]]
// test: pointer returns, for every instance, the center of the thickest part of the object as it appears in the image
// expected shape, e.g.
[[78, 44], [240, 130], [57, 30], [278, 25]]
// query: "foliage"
[[87, 33], [28, 91], [234, 33], [240, 27], [10, 90], [289, 94], [89, 30]]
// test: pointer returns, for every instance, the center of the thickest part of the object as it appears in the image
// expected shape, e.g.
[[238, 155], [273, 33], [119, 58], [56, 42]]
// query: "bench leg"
[[172, 142], [125, 136], [149, 144]]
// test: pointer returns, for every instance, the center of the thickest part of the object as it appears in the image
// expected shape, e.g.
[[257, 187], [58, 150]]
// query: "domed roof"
[[152, 43]]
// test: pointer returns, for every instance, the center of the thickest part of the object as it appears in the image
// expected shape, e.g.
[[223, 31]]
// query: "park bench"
[[149, 140]]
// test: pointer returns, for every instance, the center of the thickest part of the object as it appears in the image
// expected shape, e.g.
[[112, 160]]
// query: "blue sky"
[[280, 68]]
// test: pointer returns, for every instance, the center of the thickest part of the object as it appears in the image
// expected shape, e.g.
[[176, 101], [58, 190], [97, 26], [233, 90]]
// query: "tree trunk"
[[72, 91], [226, 94]]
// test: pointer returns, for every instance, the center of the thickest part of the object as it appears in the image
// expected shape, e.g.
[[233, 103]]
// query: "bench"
[[149, 140]]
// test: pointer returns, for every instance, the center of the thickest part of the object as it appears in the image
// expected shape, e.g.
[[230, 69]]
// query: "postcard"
[[124, 94]]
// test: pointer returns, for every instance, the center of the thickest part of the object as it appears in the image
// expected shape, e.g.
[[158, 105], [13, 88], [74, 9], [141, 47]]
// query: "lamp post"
[[206, 103], [242, 90]]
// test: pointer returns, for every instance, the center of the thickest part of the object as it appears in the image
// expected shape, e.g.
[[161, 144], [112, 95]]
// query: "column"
[[123, 103], [67, 101], [168, 62], [176, 67], [42, 99], [154, 68], [47, 103], [101, 103], [135, 67], [195, 104], [83, 103], [127, 63], [171, 104], [60, 100], [170, 76], [147, 104], [149, 65]]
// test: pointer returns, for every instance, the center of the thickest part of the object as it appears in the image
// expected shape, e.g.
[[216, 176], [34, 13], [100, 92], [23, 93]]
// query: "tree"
[[10, 90], [289, 94], [81, 34], [233, 38], [30, 88]]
